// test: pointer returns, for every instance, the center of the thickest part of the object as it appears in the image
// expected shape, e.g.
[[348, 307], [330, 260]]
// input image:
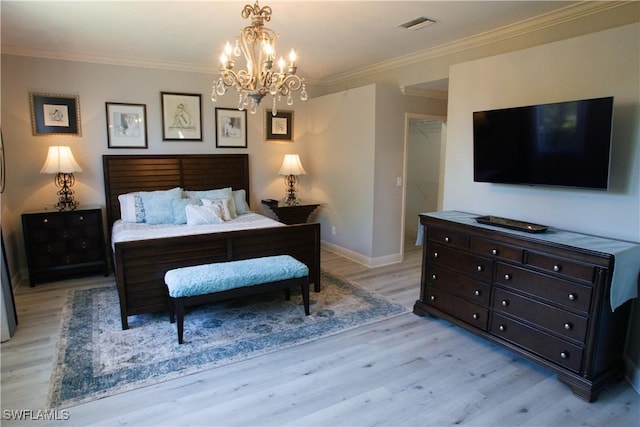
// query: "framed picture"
[[126, 125], [57, 115], [278, 127], [181, 116], [231, 128]]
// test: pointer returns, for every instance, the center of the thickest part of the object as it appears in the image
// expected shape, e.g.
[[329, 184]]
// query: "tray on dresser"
[[528, 227]]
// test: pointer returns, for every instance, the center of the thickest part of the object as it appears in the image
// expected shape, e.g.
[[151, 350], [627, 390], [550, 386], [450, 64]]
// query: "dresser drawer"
[[44, 222], [457, 307], [553, 319], [561, 266], [491, 248], [472, 265], [448, 237], [541, 286], [462, 286], [83, 219], [554, 349]]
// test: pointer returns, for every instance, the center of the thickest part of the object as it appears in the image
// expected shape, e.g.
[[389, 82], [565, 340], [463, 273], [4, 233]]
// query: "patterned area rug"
[[96, 358]]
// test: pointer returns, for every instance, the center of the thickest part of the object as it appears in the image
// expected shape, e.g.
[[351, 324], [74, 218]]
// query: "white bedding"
[[130, 231]]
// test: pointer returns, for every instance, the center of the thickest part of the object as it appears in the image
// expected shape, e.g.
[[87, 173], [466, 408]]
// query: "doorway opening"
[[423, 170]]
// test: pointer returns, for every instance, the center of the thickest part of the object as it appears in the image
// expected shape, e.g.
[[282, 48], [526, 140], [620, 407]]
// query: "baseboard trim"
[[632, 374], [361, 259]]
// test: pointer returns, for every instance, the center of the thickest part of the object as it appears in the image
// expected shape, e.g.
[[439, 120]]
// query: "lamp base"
[[64, 181], [291, 198]]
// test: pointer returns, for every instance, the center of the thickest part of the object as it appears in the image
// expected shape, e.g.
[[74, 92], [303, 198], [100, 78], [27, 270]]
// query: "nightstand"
[[64, 244], [288, 214]]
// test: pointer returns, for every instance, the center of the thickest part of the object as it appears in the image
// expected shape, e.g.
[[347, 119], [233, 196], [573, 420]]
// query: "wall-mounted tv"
[[564, 144]]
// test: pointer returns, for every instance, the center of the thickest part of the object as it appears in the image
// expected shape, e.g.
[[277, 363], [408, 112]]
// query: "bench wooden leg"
[[179, 308], [305, 296], [172, 310]]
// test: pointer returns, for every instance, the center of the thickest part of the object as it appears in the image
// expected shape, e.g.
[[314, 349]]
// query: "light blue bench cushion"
[[210, 278]]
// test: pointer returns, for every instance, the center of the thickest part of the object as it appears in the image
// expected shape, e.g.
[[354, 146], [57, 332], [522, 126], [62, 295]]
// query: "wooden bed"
[[140, 265]]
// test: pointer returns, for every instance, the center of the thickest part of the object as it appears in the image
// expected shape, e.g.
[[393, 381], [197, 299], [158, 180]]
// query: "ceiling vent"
[[417, 23]]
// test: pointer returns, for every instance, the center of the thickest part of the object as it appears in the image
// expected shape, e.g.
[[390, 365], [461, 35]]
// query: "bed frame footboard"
[[140, 265]]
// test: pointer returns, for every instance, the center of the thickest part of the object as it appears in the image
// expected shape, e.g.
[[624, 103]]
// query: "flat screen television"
[[561, 144]]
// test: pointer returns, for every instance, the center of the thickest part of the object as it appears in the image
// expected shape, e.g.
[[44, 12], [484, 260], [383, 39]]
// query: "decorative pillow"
[[240, 199], [157, 205], [220, 193], [222, 205], [131, 208], [201, 215], [178, 209]]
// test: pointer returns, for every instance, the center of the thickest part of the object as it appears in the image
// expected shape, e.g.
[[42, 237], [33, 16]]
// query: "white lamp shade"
[[60, 159], [291, 165]]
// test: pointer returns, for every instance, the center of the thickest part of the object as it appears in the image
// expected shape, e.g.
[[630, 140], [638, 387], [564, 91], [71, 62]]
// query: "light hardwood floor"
[[406, 371]]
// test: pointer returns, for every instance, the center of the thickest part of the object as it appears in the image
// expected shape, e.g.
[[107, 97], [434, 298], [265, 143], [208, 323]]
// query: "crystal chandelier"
[[261, 77]]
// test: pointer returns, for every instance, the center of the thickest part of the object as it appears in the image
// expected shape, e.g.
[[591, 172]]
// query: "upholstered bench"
[[201, 284]]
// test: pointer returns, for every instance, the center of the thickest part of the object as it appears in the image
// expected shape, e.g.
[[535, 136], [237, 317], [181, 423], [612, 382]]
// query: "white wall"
[[600, 64], [595, 65]]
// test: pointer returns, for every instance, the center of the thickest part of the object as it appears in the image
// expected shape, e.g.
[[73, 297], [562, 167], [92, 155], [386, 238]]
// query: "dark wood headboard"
[[129, 173]]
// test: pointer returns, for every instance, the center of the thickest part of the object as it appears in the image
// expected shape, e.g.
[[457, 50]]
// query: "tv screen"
[[565, 144]]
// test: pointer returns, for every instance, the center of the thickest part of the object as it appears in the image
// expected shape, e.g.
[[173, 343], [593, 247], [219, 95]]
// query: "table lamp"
[[60, 161], [291, 168]]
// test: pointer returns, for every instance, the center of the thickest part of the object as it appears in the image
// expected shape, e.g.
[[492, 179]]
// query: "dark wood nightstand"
[[292, 214], [65, 244]]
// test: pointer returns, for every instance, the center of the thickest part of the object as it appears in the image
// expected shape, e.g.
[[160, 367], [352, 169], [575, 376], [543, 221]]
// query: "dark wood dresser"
[[543, 296], [64, 244]]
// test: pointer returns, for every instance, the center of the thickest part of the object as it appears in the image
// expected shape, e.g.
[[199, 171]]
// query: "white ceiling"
[[331, 37]]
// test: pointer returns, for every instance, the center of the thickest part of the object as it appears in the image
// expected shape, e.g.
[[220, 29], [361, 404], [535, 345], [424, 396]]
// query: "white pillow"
[[131, 208], [222, 205], [220, 193], [201, 215]]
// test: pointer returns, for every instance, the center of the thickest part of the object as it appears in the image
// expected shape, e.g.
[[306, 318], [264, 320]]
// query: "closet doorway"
[[423, 170]]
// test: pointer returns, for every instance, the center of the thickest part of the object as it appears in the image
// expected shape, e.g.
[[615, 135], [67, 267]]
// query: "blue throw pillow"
[[157, 205], [179, 211]]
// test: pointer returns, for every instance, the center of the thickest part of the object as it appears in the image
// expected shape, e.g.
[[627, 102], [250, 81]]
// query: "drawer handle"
[[447, 240], [67, 259], [44, 221], [435, 254], [564, 354], [432, 298], [480, 268], [572, 296], [81, 218], [504, 302], [502, 327], [494, 252], [65, 234], [475, 316], [557, 268], [49, 248], [477, 292], [84, 245], [568, 326], [507, 276], [434, 276]]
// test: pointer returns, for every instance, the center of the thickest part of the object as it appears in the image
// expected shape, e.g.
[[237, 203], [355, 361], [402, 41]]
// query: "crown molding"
[[18, 50], [425, 93], [541, 22]]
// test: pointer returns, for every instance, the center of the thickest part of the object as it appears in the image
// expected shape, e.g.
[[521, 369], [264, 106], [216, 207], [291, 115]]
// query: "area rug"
[[96, 358]]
